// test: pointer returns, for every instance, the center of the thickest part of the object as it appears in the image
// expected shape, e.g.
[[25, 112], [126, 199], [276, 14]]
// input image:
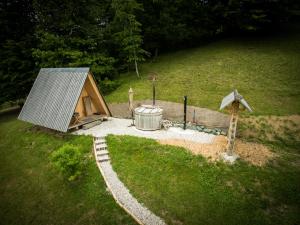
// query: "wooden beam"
[[232, 127], [96, 95]]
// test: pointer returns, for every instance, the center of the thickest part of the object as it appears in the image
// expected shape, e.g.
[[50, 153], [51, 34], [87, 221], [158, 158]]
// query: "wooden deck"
[[86, 120]]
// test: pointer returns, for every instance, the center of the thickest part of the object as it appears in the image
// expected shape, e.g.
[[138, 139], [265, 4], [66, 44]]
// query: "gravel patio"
[[119, 126]]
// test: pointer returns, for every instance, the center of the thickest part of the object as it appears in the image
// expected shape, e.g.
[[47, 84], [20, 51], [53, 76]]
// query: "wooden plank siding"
[[97, 103]]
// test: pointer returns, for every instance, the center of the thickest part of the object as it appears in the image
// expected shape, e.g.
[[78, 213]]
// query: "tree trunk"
[[136, 66]]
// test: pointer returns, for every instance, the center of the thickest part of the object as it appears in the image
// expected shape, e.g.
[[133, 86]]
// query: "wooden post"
[[194, 117], [153, 90], [232, 128], [184, 112], [130, 97]]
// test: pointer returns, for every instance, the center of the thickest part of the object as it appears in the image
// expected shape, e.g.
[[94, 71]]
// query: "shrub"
[[107, 86], [70, 160]]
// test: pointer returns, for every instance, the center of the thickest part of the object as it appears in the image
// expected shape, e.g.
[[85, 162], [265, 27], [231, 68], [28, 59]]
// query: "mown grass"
[[186, 189], [33, 192], [265, 70]]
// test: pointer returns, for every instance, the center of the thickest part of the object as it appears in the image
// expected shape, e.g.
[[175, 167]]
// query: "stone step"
[[101, 147], [99, 150], [103, 158], [99, 143], [99, 138], [103, 152]]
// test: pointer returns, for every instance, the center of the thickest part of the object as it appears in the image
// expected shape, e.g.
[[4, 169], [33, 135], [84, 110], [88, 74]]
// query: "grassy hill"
[[265, 70]]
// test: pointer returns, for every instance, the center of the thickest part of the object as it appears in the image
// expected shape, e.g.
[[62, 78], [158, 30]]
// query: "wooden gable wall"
[[97, 102]]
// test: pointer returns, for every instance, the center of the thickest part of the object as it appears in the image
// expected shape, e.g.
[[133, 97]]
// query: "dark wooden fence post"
[[153, 91], [184, 110]]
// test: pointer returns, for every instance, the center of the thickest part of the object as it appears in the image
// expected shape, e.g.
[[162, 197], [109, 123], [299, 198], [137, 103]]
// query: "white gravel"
[[122, 127]]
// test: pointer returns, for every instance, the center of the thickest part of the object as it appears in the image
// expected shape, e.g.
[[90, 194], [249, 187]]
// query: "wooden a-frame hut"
[[64, 98]]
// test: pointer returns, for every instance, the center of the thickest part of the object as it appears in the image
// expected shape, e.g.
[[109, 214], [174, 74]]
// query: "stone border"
[[121, 194]]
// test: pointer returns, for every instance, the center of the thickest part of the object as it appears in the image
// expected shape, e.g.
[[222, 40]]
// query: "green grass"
[[33, 192], [186, 189], [265, 70]]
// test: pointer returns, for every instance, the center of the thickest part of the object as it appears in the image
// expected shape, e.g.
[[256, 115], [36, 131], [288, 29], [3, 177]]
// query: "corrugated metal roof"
[[234, 96], [227, 100], [53, 97]]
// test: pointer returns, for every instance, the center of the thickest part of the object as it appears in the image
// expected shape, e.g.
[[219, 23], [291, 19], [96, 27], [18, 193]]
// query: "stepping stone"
[[103, 158], [103, 152], [99, 138], [101, 148], [101, 145], [100, 142]]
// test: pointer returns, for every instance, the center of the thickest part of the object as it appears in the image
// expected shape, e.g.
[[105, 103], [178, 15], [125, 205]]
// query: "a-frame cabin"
[[64, 98]]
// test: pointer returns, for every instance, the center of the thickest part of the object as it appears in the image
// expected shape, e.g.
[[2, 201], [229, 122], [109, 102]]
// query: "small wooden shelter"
[[64, 98], [233, 101]]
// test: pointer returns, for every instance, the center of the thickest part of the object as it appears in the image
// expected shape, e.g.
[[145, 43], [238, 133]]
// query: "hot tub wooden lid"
[[148, 109]]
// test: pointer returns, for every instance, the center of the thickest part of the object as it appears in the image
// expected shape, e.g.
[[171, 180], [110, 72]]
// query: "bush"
[[107, 86], [70, 160]]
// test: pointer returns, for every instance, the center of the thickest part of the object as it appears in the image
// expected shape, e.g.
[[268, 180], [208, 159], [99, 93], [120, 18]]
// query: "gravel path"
[[121, 194], [122, 127]]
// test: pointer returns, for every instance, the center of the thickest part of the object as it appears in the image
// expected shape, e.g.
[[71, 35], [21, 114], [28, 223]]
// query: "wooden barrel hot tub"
[[148, 117]]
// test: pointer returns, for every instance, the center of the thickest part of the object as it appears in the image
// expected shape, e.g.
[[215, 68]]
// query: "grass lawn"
[[32, 192], [265, 70], [186, 189]]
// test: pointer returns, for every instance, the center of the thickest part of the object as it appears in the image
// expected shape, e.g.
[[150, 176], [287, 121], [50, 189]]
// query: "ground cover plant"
[[70, 160], [187, 189], [265, 70], [34, 192]]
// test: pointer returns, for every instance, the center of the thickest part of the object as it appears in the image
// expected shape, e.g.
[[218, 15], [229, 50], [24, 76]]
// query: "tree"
[[16, 65], [249, 15], [72, 34], [109, 35], [127, 31]]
